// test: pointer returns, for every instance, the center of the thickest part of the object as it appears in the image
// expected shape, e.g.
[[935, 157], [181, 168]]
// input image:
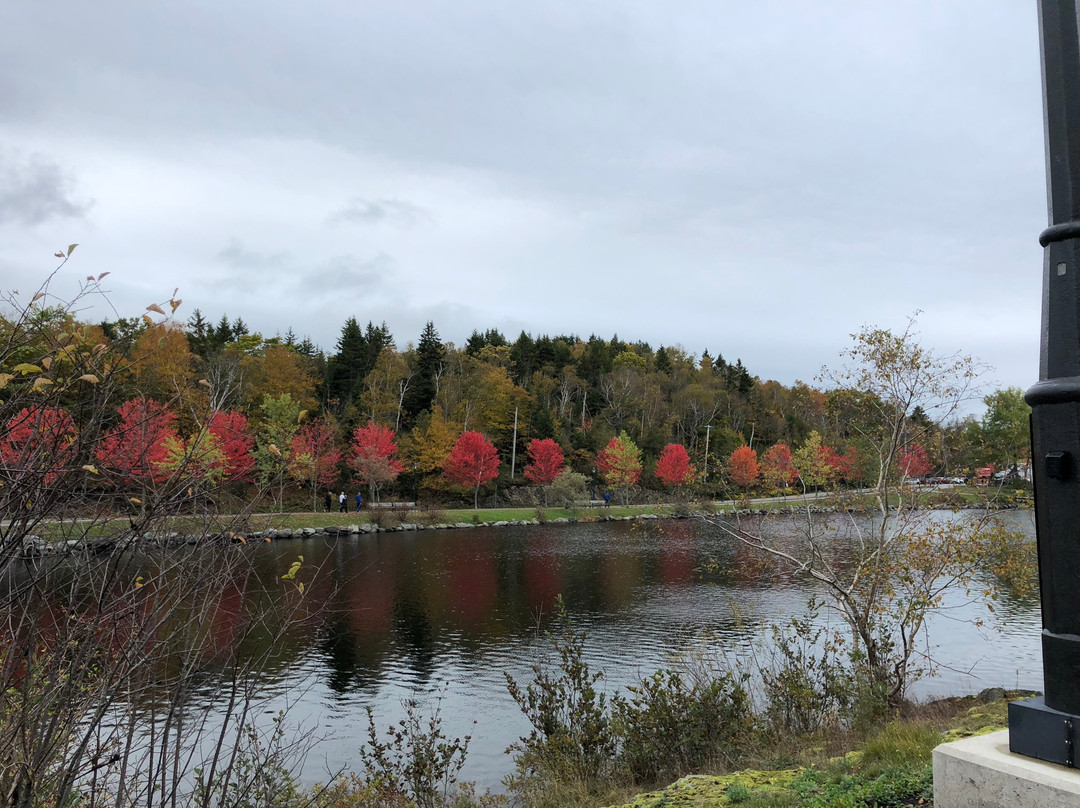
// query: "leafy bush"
[[668, 728], [416, 766], [806, 686], [568, 490], [572, 734]]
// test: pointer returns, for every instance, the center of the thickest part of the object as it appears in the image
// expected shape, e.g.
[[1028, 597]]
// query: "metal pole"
[[513, 449], [1044, 727]]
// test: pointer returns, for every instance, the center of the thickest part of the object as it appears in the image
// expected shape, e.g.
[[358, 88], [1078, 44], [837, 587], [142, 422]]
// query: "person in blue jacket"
[[359, 501]]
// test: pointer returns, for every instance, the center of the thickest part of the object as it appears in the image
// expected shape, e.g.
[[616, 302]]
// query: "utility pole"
[[1046, 727], [513, 448]]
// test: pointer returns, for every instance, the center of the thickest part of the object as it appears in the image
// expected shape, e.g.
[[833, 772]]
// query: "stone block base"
[[981, 772]]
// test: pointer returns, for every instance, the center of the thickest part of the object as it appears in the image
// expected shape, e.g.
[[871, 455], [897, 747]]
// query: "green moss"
[[705, 791]]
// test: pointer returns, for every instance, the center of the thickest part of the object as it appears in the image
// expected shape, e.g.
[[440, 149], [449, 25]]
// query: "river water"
[[444, 616]]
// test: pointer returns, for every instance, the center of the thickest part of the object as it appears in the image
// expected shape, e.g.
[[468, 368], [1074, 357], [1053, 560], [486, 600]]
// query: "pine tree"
[[198, 334], [663, 362], [427, 366], [347, 367]]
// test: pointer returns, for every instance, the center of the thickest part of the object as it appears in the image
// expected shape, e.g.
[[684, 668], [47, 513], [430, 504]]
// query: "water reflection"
[[445, 614]]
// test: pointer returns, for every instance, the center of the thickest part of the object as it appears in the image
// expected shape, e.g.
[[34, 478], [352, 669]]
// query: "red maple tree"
[[374, 457], [546, 462], [776, 466], [673, 467], [743, 468], [134, 450], [39, 441], [472, 462], [314, 456], [235, 443], [913, 462]]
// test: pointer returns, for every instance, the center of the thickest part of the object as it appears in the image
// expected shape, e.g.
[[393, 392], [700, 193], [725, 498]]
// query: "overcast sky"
[[758, 179]]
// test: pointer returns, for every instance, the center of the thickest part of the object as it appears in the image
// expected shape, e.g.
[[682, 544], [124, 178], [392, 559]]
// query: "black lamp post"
[[1045, 727]]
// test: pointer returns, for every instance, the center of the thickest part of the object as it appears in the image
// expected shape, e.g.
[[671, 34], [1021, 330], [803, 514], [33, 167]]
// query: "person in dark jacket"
[[329, 502]]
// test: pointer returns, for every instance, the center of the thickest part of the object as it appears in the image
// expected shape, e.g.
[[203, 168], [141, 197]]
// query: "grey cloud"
[[34, 190], [347, 275], [246, 262], [391, 211]]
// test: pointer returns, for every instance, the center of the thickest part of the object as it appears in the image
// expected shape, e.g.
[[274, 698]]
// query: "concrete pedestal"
[[981, 772]]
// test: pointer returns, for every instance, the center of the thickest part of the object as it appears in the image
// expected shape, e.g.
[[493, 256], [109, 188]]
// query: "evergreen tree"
[[475, 343], [198, 334], [347, 368], [522, 358], [427, 366], [221, 335], [377, 338], [663, 363]]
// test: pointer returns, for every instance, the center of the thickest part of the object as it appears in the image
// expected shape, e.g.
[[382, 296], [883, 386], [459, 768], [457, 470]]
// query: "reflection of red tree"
[[543, 578], [225, 619], [676, 553], [473, 585], [370, 593]]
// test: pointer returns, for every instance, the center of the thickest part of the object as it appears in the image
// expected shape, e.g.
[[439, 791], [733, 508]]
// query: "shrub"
[[571, 724], [668, 728], [568, 490], [806, 686], [417, 764]]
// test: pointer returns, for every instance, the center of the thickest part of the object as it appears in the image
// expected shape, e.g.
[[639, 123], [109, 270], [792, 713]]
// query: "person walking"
[[328, 502], [359, 501], [343, 507]]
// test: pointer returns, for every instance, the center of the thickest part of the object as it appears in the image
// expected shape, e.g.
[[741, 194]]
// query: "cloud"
[[379, 211], [243, 260], [34, 190], [347, 275]]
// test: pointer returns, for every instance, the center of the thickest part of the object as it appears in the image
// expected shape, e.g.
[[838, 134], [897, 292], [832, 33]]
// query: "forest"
[[282, 416]]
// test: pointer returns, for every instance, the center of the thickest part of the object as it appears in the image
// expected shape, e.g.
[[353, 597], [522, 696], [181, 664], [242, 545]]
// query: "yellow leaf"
[[4, 379], [26, 367], [91, 468], [40, 382], [135, 500], [148, 320], [274, 450], [175, 304], [155, 307], [71, 248], [37, 297], [300, 586], [46, 362], [89, 377], [300, 416]]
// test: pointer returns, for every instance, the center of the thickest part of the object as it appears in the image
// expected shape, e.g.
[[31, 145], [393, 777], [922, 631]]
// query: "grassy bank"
[[890, 768], [200, 524]]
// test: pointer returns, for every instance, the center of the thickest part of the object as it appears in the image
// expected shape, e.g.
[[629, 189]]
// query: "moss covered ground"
[[891, 768]]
